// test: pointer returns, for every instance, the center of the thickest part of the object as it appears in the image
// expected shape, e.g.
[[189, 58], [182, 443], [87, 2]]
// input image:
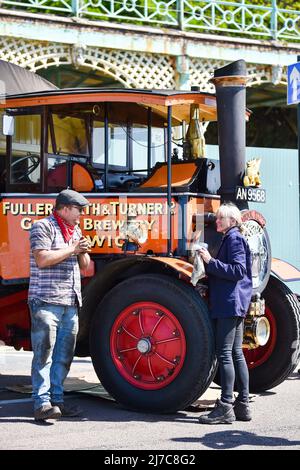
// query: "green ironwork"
[[260, 19], [38, 6]]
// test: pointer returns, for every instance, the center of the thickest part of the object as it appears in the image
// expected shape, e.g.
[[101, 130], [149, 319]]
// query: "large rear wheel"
[[152, 344]]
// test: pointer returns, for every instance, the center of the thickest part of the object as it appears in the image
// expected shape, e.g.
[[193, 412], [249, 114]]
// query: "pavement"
[[106, 425], [81, 378]]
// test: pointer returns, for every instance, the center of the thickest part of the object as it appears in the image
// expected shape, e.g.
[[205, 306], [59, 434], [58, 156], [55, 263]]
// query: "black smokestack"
[[230, 83]]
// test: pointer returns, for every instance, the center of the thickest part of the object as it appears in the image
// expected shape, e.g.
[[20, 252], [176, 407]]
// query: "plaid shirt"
[[59, 284]]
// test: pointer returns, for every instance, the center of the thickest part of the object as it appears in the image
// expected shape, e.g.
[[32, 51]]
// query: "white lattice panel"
[[201, 71], [33, 54], [258, 74], [132, 69]]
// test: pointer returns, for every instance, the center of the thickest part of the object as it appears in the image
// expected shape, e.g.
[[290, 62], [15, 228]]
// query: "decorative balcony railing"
[[265, 20]]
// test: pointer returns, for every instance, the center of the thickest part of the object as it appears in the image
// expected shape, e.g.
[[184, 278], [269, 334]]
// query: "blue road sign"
[[293, 84]]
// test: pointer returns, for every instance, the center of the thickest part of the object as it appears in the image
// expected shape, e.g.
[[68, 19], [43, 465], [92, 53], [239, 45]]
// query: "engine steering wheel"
[[34, 162]]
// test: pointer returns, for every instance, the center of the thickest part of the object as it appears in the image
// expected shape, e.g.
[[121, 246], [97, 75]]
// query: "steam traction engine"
[[146, 327]]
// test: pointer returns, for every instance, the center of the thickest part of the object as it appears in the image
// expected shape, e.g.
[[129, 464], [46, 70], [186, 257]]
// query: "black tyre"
[[152, 344], [272, 364]]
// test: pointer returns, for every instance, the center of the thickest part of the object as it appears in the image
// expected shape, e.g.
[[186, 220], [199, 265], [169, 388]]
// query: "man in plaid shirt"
[[58, 252]]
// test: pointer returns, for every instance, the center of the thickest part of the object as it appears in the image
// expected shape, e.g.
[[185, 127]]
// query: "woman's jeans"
[[232, 364], [53, 335]]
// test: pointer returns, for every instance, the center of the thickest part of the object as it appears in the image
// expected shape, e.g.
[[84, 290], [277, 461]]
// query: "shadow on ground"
[[231, 439]]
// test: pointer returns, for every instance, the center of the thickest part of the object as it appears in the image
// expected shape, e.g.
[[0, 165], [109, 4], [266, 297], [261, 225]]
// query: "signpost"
[[293, 97], [293, 84]]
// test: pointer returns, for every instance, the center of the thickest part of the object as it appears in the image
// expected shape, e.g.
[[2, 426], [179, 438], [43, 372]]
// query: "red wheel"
[[148, 345], [152, 344]]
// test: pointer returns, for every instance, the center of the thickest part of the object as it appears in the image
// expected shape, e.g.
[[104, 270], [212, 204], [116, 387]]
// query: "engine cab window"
[[137, 141], [67, 143], [57, 175], [139, 137], [117, 137], [158, 140], [2, 136], [26, 150], [70, 136], [2, 154], [128, 144]]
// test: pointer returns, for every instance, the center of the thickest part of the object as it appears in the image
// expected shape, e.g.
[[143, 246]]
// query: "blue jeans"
[[53, 335], [232, 364]]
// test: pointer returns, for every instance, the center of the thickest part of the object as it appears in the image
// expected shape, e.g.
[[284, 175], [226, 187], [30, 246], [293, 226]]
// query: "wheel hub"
[[144, 346]]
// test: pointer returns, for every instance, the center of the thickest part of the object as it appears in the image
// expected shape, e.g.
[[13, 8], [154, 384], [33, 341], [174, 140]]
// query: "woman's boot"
[[242, 411], [222, 414]]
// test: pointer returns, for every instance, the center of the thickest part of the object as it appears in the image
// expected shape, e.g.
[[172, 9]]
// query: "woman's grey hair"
[[228, 209]]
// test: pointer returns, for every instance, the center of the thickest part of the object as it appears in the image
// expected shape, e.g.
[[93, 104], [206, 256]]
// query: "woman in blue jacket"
[[230, 289]]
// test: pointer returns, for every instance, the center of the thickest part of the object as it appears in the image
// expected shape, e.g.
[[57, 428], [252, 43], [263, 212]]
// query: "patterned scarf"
[[67, 230]]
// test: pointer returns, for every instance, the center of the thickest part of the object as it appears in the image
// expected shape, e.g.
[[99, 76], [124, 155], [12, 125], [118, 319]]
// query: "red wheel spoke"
[[128, 349], [164, 358], [141, 322], [130, 334], [136, 363], [167, 340], [150, 368], [156, 325]]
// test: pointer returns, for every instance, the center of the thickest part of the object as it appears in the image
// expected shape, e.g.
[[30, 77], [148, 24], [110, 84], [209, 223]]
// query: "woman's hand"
[[205, 255]]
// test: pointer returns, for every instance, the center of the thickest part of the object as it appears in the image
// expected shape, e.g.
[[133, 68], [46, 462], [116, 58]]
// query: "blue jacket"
[[230, 277]]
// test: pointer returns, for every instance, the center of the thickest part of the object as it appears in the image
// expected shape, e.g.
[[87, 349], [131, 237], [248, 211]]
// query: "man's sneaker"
[[242, 411], [47, 412], [222, 414], [68, 411]]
